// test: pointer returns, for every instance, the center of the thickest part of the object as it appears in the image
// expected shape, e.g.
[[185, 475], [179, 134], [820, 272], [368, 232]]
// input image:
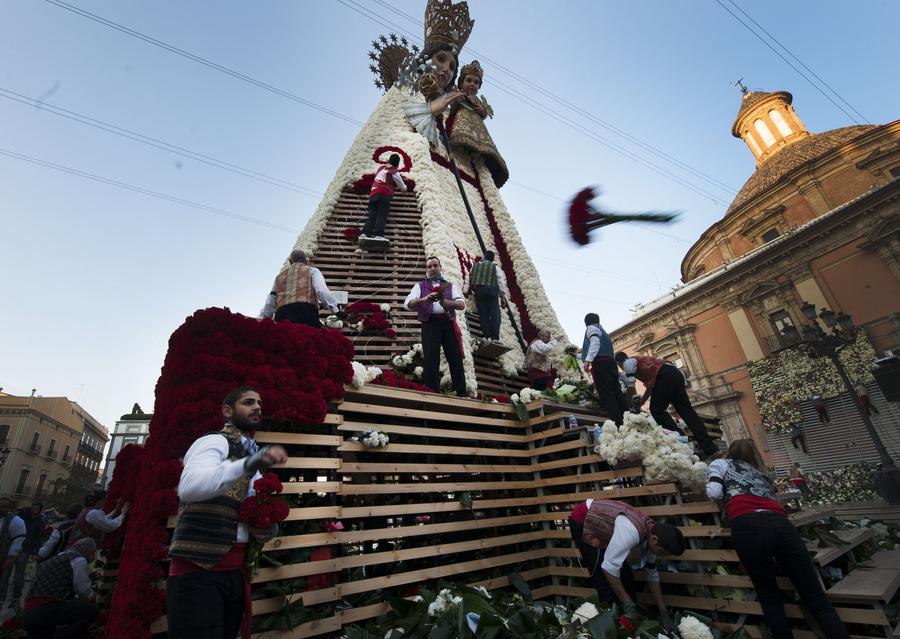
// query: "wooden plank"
[[441, 433], [302, 439], [852, 538], [871, 586], [428, 415], [434, 449], [424, 397], [847, 615], [889, 559]]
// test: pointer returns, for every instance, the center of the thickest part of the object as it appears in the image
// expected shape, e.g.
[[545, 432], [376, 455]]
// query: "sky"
[[96, 276]]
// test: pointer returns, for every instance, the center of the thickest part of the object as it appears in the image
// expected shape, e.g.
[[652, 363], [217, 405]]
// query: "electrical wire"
[[138, 189], [789, 63], [195, 58], [154, 142], [799, 61]]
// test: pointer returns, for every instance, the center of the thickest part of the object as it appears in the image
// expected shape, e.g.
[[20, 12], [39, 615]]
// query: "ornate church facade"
[[818, 221]]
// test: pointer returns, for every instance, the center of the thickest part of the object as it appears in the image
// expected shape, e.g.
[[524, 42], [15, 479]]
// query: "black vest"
[[207, 530], [54, 577]]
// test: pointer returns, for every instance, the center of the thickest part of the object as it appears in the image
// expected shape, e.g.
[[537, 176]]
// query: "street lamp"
[[818, 343]]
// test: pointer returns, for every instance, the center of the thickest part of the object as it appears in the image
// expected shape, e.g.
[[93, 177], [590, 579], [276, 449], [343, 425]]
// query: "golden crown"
[[473, 68], [447, 23]]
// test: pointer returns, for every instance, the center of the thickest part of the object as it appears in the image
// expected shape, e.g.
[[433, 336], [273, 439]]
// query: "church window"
[[780, 124], [779, 321], [752, 141], [769, 235], [763, 130]]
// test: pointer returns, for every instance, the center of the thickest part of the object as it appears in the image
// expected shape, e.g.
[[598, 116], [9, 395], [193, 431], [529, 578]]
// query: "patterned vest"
[[82, 529], [426, 287], [743, 479], [384, 181], [54, 577], [206, 530], [601, 519], [294, 284], [648, 368], [484, 274]]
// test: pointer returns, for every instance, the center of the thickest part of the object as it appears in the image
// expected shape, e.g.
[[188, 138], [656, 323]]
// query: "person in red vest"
[[387, 178], [298, 292], [664, 384], [606, 531]]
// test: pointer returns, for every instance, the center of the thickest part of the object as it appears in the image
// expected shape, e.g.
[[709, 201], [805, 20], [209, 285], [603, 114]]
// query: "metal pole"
[[886, 460], [446, 140]]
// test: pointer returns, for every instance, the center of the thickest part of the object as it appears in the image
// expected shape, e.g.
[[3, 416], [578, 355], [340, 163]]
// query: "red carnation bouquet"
[[261, 511]]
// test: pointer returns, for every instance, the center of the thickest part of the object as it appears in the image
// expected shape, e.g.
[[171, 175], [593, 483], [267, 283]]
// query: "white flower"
[[397, 361], [416, 598], [359, 375], [372, 373], [585, 612], [332, 321], [394, 633], [693, 628], [417, 348], [375, 439], [385, 308], [483, 591], [418, 371]]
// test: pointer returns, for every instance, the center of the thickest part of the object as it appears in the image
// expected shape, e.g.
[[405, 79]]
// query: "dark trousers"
[[669, 389], [867, 405], [205, 605], [438, 333], [606, 382], [761, 540], [59, 619], [591, 558], [822, 413], [299, 313], [17, 571], [487, 299], [379, 205], [801, 438]]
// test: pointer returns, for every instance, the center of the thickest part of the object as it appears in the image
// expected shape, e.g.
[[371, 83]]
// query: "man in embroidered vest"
[[297, 292], [207, 594], [387, 178], [537, 361], [606, 532], [60, 601], [597, 354], [435, 301], [489, 283], [93, 522], [12, 536], [664, 384]]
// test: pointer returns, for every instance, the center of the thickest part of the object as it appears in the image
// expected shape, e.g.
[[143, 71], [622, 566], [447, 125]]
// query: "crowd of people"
[[60, 599]]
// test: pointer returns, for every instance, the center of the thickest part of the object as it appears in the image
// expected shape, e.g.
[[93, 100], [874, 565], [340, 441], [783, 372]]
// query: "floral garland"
[[782, 381], [841, 485], [363, 185], [298, 370], [664, 458]]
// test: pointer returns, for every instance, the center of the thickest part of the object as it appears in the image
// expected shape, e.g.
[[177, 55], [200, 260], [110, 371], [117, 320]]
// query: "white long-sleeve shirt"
[[381, 176], [323, 295], [626, 538], [103, 522], [541, 347], [436, 308], [208, 473], [17, 530], [81, 580], [716, 489]]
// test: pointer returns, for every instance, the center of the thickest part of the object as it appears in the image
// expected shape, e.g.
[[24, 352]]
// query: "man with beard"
[[205, 590]]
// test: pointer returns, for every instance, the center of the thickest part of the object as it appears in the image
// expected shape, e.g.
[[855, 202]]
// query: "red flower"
[[351, 233], [580, 214], [503, 399]]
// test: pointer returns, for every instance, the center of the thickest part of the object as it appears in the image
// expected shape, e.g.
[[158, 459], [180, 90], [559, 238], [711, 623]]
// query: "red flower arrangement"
[[264, 509], [374, 321], [352, 233], [396, 380], [502, 399], [297, 369]]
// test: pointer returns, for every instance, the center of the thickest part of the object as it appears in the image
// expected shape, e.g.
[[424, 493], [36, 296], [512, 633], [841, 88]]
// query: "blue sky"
[[95, 278]]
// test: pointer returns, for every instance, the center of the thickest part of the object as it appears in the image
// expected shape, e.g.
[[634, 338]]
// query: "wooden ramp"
[[466, 492]]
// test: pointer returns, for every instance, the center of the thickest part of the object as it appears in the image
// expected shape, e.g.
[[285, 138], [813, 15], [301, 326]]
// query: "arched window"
[[763, 130], [752, 141], [780, 124]]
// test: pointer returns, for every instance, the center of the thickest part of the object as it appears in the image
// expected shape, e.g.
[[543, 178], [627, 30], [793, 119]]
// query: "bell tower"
[[767, 122]]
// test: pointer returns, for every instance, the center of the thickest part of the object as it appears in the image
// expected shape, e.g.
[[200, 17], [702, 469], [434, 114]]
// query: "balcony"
[[93, 453], [776, 343], [34, 449]]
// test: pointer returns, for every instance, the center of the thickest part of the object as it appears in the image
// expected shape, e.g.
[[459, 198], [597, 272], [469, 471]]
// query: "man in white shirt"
[[435, 301], [61, 596], [297, 293], [12, 536], [205, 588], [537, 360]]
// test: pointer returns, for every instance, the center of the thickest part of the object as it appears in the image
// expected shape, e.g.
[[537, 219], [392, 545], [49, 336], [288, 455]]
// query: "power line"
[[154, 142], [138, 189], [552, 113], [195, 58], [789, 63], [577, 109], [799, 61]]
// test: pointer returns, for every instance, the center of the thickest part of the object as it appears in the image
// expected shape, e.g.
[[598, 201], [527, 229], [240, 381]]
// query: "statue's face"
[[470, 84], [444, 67]]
